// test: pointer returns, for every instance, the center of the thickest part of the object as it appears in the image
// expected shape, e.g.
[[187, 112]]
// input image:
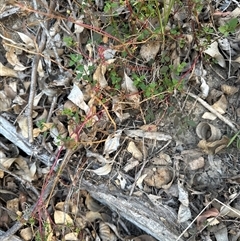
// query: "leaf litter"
[[124, 111]]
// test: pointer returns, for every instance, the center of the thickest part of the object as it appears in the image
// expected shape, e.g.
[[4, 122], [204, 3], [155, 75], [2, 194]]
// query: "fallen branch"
[[157, 221], [8, 130]]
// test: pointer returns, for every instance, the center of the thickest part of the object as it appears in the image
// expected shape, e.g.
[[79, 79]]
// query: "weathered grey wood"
[[157, 221], [8, 130], [12, 238]]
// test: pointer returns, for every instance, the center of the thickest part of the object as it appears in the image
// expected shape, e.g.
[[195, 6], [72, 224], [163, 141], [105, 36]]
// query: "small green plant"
[[40, 123], [235, 139], [229, 27], [68, 41], [115, 79], [83, 72]]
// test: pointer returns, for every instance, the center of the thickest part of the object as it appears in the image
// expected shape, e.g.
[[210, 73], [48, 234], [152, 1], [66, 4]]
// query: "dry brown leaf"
[[27, 40], [92, 204], [99, 74], [26, 234], [209, 116], [221, 105], [77, 25], [196, 164], [136, 153], [105, 232], [24, 171], [71, 237], [149, 50], [163, 159], [5, 102], [77, 97], [13, 60], [92, 216], [23, 124], [5, 71], [112, 142], [45, 127], [215, 146], [104, 170], [61, 217], [131, 89], [213, 51], [212, 212], [157, 176]]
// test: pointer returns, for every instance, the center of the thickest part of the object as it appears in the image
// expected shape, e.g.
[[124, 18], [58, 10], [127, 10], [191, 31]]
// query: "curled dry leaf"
[[117, 108], [212, 212], [121, 181], [23, 124], [136, 153], [182, 194], [213, 51], [163, 160], [24, 171], [208, 132], [131, 89], [105, 232], [140, 181], [104, 170], [99, 74], [13, 60], [112, 142], [99, 157], [131, 163], [76, 96], [215, 146]]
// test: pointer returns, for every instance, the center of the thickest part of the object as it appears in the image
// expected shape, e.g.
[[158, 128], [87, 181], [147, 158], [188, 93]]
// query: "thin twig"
[[213, 111], [33, 86]]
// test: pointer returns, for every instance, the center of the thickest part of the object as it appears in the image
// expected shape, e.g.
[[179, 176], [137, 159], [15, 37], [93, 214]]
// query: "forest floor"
[[119, 120]]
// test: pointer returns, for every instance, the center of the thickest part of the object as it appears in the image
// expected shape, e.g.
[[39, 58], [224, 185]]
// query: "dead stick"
[[210, 108]]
